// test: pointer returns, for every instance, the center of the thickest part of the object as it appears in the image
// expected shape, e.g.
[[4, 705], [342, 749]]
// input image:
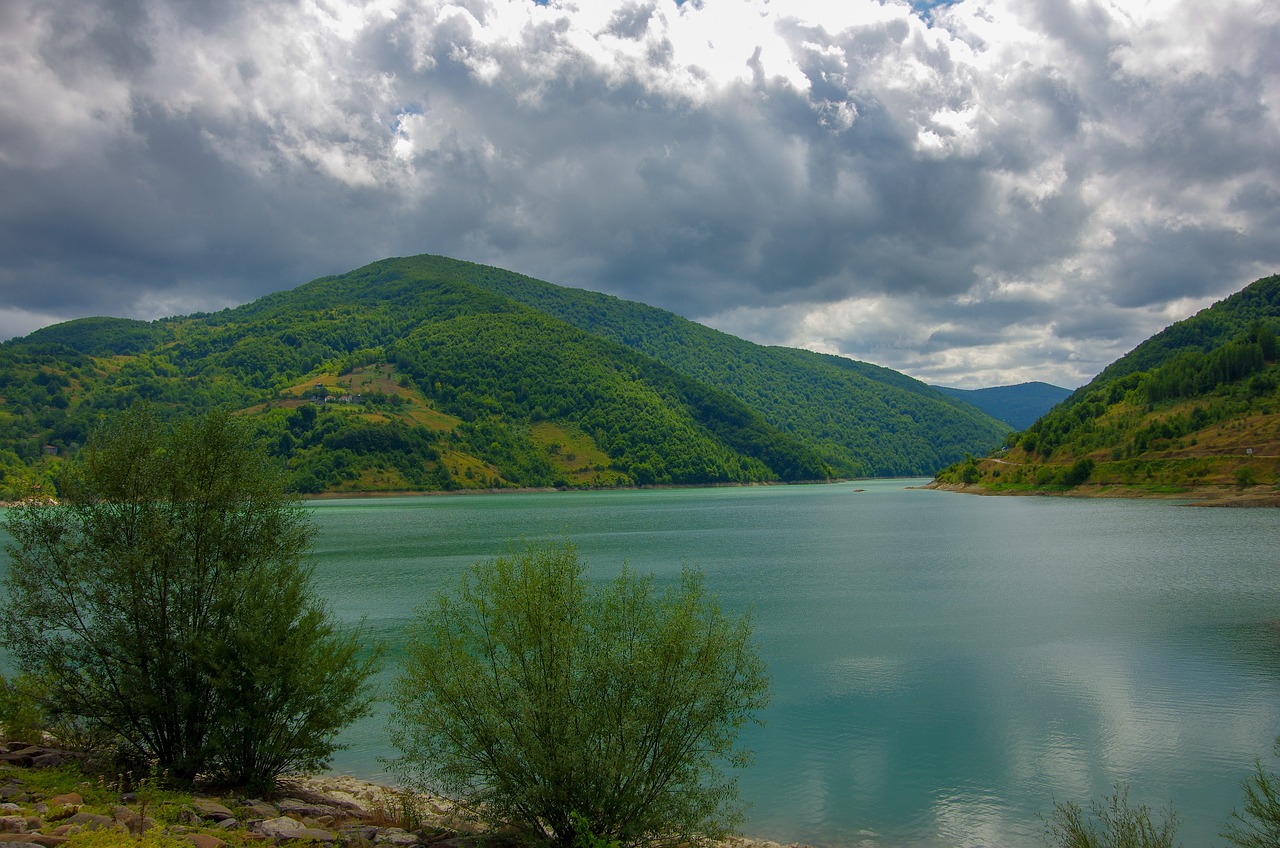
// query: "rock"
[[228, 824], [305, 809], [464, 841], [90, 821], [279, 828], [13, 824], [210, 809], [257, 809], [43, 840], [204, 840], [51, 759], [314, 834], [358, 833], [132, 821], [13, 791], [70, 799], [349, 803], [393, 836]]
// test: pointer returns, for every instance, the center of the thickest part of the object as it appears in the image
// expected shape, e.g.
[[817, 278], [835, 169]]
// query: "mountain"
[[1191, 409], [1018, 406], [864, 420], [427, 373]]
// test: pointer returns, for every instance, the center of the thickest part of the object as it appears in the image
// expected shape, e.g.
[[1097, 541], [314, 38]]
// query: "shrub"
[[20, 713], [165, 601], [113, 838], [1079, 472], [1114, 824], [1258, 825], [574, 714]]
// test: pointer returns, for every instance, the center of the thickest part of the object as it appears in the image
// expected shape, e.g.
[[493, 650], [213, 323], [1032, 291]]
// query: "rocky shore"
[[321, 810]]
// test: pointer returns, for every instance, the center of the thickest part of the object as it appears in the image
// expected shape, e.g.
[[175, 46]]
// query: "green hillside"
[[427, 373], [1192, 409], [863, 419]]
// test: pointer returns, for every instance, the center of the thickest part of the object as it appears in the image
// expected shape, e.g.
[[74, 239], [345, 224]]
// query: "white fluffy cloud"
[[976, 193]]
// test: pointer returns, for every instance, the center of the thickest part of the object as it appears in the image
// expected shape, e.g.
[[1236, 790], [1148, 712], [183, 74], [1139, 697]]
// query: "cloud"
[[974, 193]]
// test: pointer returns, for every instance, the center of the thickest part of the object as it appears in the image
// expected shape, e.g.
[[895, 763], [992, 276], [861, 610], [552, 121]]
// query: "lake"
[[944, 666]]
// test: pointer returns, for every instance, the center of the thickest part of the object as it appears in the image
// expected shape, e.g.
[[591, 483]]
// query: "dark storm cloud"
[[973, 193]]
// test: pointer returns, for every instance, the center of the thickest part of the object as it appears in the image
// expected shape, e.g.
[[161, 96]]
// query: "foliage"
[[864, 420], [584, 838], [20, 714], [59, 780], [166, 602], [1198, 414], [547, 703], [1212, 327], [667, 400], [1115, 823], [1258, 824], [114, 838]]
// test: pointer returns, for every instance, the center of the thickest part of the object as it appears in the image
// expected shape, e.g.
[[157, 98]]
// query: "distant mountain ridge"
[[1191, 409], [427, 373], [1017, 405]]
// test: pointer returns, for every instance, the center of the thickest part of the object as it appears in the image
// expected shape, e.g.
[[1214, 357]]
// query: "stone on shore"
[[207, 808], [258, 809]]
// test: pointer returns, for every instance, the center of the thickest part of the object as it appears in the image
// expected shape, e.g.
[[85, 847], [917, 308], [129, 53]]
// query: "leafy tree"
[[1079, 472], [1114, 824], [1258, 825], [166, 601], [573, 712]]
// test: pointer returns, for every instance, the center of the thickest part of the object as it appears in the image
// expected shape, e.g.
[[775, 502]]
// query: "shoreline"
[[346, 788], [546, 490], [1259, 497]]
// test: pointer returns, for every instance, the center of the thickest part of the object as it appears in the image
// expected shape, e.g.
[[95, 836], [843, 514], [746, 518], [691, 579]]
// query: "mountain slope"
[[427, 373], [863, 419], [1018, 406], [1190, 409]]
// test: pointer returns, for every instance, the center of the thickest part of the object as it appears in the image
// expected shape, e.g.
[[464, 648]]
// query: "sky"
[[976, 193]]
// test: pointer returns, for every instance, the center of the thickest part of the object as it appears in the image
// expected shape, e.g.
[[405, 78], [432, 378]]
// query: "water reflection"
[[944, 667]]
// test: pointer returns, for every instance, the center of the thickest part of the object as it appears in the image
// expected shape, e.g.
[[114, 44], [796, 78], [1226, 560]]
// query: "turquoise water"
[[944, 666]]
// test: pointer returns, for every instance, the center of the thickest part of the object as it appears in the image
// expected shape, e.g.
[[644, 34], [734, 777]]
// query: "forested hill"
[[427, 373], [863, 419], [1191, 408]]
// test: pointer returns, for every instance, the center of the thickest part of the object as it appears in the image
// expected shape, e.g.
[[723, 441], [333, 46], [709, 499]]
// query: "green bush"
[[578, 714], [1258, 825], [166, 602], [113, 838], [1114, 824], [21, 717], [1079, 472]]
